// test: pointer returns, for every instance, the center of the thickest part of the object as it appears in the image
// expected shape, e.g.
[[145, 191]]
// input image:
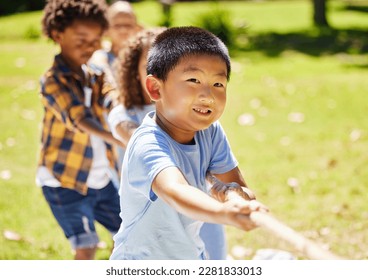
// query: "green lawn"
[[295, 117]]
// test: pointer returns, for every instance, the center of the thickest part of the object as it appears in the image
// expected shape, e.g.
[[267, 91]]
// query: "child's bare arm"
[[232, 180], [171, 186], [91, 126], [125, 130]]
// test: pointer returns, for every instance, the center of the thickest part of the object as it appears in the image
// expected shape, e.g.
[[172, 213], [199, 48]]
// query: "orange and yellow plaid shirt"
[[65, 150]]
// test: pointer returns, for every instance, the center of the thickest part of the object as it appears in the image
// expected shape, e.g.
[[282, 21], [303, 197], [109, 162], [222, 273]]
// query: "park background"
[[295, 118]]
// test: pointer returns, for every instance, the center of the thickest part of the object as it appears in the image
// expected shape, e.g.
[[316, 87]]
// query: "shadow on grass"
[[357, 8], [313, 42]]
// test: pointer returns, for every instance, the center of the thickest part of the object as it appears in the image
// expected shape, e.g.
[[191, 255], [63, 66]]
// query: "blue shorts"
[[76, 213]]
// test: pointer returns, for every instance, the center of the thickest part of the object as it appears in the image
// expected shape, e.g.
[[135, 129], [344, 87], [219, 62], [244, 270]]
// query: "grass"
[[302, 144]]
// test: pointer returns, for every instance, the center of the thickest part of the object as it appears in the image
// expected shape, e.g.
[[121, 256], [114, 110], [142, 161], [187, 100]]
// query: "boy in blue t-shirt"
[[164, 196]]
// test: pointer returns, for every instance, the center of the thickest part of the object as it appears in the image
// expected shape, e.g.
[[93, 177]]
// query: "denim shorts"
[[77, 213]]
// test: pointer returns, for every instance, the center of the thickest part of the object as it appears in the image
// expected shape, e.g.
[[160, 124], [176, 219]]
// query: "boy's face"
[[122, 26], [78, 42], [193, 95]]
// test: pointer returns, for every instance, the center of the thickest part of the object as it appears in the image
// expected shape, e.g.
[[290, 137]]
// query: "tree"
[[166, 9], [17, 6], [319, 13]]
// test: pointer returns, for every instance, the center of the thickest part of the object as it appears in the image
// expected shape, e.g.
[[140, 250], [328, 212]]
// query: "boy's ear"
[[55, 35], [153, 86]]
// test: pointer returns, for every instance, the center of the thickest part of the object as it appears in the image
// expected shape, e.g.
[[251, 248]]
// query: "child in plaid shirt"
[[77, 163]]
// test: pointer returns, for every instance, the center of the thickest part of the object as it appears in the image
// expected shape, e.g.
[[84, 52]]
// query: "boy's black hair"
[[177, 42], [59, 14]]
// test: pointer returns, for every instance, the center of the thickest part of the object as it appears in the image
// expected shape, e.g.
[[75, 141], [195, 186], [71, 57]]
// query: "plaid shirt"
[[66, 151]]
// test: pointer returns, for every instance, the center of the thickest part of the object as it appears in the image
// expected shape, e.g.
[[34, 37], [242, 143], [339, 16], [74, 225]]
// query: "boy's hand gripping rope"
[[262, 219]]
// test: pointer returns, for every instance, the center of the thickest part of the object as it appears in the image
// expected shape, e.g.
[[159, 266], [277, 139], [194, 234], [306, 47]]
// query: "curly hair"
[[126, 67], [60, 14]]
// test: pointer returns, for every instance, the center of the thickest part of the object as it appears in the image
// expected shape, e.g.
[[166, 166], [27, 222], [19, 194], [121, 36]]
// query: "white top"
[[120, 114]]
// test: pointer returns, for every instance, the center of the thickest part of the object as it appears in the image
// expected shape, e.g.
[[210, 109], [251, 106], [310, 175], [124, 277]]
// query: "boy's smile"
[[192, 97]]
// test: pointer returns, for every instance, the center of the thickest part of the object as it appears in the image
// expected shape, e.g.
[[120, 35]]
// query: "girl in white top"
[[134, 102]]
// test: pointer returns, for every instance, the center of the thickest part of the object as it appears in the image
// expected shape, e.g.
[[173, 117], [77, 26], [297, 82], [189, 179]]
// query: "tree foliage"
[[17, 6]]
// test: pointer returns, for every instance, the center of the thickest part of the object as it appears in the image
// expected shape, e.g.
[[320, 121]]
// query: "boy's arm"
[[125, 130], [231, 180], [171, 186], [109, 92], [233, 175], [122, 127], [91, 126]]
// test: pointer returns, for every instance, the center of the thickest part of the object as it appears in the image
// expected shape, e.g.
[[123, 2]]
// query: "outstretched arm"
[[229, 181], [171, 186], [93, 127], [125, 130]]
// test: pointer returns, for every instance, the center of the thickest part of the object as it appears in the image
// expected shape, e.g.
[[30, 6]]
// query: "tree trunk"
[[166, 9], [319, 13]]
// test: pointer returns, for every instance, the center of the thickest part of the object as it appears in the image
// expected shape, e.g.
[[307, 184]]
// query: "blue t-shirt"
[[152, 229]]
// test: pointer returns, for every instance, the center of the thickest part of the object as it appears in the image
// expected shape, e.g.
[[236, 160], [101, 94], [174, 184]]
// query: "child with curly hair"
[[130, 70], [77, 162]]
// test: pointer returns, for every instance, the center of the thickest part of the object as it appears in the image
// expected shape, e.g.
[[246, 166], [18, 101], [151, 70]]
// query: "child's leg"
[[107, 208], [85, 253], [74, 213], [214, 239]]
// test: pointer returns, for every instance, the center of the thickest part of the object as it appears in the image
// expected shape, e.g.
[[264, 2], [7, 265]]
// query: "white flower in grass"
[[255, 103], [246, 119], [240, 252], [29, 115], [355, 135], [296, 117], [324, 231], [30, 85], [10, 142], [11, 235], [5, 174], [20, 62], [293, 183]]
